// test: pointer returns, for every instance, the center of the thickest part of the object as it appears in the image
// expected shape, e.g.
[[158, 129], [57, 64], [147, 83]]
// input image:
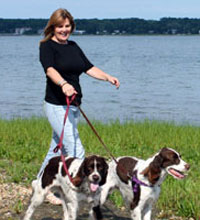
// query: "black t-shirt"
[[70, 61]]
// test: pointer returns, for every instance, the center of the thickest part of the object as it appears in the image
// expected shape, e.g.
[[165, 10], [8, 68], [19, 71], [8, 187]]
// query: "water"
[[159, 78]]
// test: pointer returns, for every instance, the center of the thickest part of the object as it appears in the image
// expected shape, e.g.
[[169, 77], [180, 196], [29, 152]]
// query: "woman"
[[63, 62]]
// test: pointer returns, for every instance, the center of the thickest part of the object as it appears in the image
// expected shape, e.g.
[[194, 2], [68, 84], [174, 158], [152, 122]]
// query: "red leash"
[[95, 132], [101, 141], [60, 144]]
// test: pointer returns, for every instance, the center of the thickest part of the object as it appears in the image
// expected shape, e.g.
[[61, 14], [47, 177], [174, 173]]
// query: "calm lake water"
[[159, 75]]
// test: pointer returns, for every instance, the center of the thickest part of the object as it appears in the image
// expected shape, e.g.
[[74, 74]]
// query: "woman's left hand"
[[114, 81], [99, 74]]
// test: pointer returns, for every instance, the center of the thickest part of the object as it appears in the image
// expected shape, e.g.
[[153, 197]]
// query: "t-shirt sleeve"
[[88, 64], [46, 56]]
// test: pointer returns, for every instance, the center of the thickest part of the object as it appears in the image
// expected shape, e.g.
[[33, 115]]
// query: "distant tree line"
[[107, 26]]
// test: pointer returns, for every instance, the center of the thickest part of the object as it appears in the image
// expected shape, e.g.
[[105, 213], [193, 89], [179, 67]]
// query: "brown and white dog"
[[139, 180], [87, 177]]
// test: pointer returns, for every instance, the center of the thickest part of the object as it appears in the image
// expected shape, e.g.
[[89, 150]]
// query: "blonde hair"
[[56, 19]]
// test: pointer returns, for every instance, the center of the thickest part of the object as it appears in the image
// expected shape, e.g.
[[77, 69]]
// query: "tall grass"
[[24, 143]]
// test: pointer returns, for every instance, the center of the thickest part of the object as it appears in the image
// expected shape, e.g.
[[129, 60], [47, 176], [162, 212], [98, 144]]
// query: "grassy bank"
[[24, 143]]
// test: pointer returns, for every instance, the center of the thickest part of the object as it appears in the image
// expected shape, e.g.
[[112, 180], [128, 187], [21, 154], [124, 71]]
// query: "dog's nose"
[[95, 177], [187, 166]]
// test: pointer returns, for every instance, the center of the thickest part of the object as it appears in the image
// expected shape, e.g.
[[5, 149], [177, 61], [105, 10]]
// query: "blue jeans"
[[72, 145]]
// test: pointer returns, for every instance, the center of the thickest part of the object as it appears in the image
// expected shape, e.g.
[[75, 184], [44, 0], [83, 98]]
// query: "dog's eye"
[[91, 167], [177, 161], [175, 156], [99, 167]]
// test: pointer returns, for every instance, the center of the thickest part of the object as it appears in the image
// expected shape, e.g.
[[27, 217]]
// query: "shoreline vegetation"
[[124, 35], [24, 143], [118, 26]]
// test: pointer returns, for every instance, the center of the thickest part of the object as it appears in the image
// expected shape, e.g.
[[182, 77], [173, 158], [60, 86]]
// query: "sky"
[[146, 9]]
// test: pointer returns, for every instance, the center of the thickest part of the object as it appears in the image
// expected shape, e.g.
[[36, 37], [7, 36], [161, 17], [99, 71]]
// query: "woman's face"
[[62, 31]]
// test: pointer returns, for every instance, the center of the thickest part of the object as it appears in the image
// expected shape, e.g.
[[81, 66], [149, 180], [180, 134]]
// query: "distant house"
[[151, 32], [116, 32], [79, 32], [174, 31], [20, 31]]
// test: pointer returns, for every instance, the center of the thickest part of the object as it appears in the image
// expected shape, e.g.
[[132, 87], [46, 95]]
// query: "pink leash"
[[60, 144]]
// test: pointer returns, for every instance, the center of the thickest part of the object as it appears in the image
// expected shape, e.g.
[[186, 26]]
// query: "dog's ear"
[[158, 161], [152, 172], [104, 172], [78, 179]]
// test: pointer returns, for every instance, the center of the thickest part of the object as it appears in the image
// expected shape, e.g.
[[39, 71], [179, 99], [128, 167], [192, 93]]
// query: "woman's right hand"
[[68, 89]]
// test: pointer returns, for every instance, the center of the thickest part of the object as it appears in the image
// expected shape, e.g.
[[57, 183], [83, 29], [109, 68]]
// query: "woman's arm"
[[54, 75], [96, 73]]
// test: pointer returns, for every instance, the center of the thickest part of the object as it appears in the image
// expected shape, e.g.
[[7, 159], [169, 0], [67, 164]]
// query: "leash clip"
[[56, 149]]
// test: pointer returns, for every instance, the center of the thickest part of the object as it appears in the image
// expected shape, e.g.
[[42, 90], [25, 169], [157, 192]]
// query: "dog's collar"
[[136, 183]]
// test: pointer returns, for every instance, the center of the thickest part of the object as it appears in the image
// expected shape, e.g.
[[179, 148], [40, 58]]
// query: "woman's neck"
[[58, 41]]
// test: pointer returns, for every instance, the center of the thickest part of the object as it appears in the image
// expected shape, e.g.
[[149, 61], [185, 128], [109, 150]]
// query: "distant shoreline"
[[123, 35], [125, 26]]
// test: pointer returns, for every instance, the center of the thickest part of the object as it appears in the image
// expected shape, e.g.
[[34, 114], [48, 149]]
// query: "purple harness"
[[137, 183]]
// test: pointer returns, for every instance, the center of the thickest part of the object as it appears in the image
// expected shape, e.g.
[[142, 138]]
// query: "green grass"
[[24, 143]]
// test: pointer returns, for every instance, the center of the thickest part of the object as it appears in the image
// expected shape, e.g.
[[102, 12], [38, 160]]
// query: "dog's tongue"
[[176, 173], [94, 187]]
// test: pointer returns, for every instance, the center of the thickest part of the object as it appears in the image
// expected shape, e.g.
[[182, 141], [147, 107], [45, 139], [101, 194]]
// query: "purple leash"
[[137, 184]]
